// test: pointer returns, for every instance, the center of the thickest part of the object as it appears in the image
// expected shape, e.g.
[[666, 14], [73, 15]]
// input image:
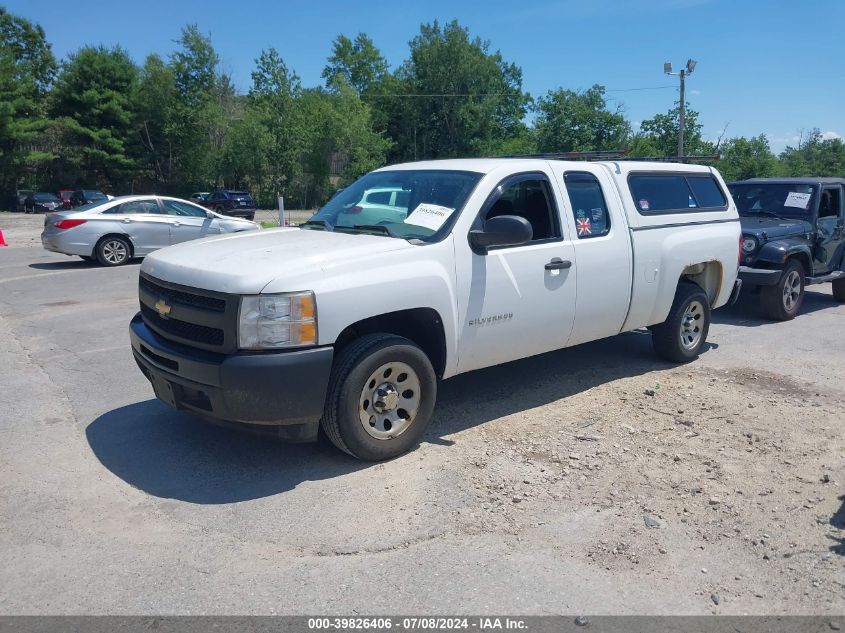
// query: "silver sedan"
[[114, 231]]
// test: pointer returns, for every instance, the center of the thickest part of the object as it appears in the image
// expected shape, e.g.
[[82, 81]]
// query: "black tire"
[[113, 250], [347, 403], [250, 217], [839, 289], [219, 210], [681, 336], [28, 211], [777, 303]]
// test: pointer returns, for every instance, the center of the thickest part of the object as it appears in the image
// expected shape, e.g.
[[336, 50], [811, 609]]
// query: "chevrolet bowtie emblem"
[[162, 308]]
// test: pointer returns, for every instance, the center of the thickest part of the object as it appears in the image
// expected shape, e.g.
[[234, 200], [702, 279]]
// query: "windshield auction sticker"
[[798, 200], [429, 216]]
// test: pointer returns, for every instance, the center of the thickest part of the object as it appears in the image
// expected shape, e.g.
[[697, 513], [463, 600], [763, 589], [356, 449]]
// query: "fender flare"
[[778, 251]]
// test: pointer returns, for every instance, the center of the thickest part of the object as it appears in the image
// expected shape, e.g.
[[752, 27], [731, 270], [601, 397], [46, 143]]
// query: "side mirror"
[[502, 230]]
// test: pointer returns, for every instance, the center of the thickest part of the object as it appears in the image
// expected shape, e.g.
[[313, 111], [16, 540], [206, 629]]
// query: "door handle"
[[558, 264], [177, 223], [127, 220]]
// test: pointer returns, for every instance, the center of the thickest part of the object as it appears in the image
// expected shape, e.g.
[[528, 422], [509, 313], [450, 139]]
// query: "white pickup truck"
[[348, 326]]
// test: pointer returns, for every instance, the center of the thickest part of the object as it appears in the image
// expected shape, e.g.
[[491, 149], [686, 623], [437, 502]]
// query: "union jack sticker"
[[583, 226]]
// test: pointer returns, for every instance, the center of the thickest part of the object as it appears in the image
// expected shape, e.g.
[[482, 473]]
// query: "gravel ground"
[[592, 480]]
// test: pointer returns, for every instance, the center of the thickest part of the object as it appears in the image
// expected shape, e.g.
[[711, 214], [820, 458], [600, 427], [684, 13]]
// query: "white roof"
[[486, 165]]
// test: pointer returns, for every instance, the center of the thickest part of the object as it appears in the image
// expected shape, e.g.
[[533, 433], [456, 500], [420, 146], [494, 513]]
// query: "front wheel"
[[782, 301], [682, 335], [113, 251], [381, 396]]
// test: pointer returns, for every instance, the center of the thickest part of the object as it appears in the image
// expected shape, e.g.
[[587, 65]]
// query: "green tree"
[[452, 97], [155, 102], [814, 156], [196, 111], [276, 121], [93, 104], [570, 121], [747, 158], [356, 62], [27, 68], [658, 136]]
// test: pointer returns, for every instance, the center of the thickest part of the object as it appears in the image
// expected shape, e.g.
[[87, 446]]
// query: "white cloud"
[[830, 135]]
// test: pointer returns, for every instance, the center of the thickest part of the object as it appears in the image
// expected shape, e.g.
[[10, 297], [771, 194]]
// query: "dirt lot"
[[592, 480]]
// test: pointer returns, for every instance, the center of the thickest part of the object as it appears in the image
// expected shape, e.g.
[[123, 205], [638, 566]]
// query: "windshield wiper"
[[326, 226], [763, 211], [375, 228]]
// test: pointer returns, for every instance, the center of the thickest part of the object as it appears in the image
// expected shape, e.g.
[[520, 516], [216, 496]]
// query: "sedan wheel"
[[113, 251]]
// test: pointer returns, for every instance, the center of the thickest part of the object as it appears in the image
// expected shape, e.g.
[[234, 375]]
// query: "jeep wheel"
[[381, 396], [782, 301], [681, 336], [839, 289]]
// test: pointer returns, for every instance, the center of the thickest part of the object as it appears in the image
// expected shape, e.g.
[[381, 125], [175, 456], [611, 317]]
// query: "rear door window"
[[656, 194], [588, 205]]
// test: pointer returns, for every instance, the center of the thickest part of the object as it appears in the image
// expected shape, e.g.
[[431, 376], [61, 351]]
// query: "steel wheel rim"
[[114, 252], [692, 323], [791, 289], [390, 400]]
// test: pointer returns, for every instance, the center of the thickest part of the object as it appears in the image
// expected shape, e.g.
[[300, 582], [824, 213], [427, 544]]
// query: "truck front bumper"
[[282, 391], [759, 276]]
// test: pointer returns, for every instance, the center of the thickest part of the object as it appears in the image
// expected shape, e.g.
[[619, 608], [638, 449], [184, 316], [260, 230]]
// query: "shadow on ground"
[[747, 311], [172, 455], [838, 522], [71, 264]]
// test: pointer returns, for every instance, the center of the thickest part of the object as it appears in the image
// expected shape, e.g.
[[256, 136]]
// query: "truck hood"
[[244, 263], [774, 228]]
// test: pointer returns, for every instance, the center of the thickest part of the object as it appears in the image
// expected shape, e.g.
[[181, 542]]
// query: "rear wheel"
[[782, 301], [839, 289], [219, 210], [681, 336], [113, 251], [381, 396]]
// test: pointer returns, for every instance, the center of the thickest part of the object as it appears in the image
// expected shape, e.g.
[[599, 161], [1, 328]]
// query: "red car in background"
[[64, 196]]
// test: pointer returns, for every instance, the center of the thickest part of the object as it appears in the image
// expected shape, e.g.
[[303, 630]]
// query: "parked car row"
[[44, 202]]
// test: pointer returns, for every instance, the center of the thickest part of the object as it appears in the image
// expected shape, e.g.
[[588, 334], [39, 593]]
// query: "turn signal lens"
[[68, 224]]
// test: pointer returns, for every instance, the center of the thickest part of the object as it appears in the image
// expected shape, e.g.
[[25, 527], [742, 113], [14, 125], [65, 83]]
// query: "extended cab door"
[[602, 245], [516, 301], [829, 231]]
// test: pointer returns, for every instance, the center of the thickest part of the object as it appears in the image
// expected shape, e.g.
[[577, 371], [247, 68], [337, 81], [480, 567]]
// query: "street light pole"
[[681, 117], [667, 68]]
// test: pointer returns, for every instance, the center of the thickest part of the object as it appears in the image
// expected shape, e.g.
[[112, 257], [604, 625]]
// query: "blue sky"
[[770, 66]]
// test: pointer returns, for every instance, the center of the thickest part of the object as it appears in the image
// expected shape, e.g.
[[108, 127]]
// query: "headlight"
[[277, 321], [749, 245]]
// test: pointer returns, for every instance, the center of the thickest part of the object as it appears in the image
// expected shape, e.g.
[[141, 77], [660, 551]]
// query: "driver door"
[[830, 239], [188, 221], [520, 300]]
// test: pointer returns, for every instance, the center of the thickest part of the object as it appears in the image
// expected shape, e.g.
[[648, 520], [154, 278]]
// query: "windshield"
[[412, 204], [791, 200], [45, 197], [94, 195]]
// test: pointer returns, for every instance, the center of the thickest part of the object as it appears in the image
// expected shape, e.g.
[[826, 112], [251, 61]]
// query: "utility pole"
[[667, 68]]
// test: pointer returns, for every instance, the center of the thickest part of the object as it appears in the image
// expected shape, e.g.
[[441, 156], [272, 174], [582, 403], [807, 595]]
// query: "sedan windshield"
[[45, 197], [412, 204], [791, 200]]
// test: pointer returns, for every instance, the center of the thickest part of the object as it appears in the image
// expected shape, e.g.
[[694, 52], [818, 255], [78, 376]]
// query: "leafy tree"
[[196, 110], [569, 121], [358, 63], [93, 103], [747, 158], [27, 67], [814, 156], [274, 104], [658, 136], [155, 103], [453, 97]]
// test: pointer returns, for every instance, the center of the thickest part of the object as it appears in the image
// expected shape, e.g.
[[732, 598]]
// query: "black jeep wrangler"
[[793, 232]]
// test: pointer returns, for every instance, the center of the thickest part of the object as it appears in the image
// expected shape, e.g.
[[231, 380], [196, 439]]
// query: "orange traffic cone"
[[2, 241]]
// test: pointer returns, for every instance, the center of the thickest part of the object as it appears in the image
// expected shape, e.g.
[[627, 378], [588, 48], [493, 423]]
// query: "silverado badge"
[[162, 308]]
